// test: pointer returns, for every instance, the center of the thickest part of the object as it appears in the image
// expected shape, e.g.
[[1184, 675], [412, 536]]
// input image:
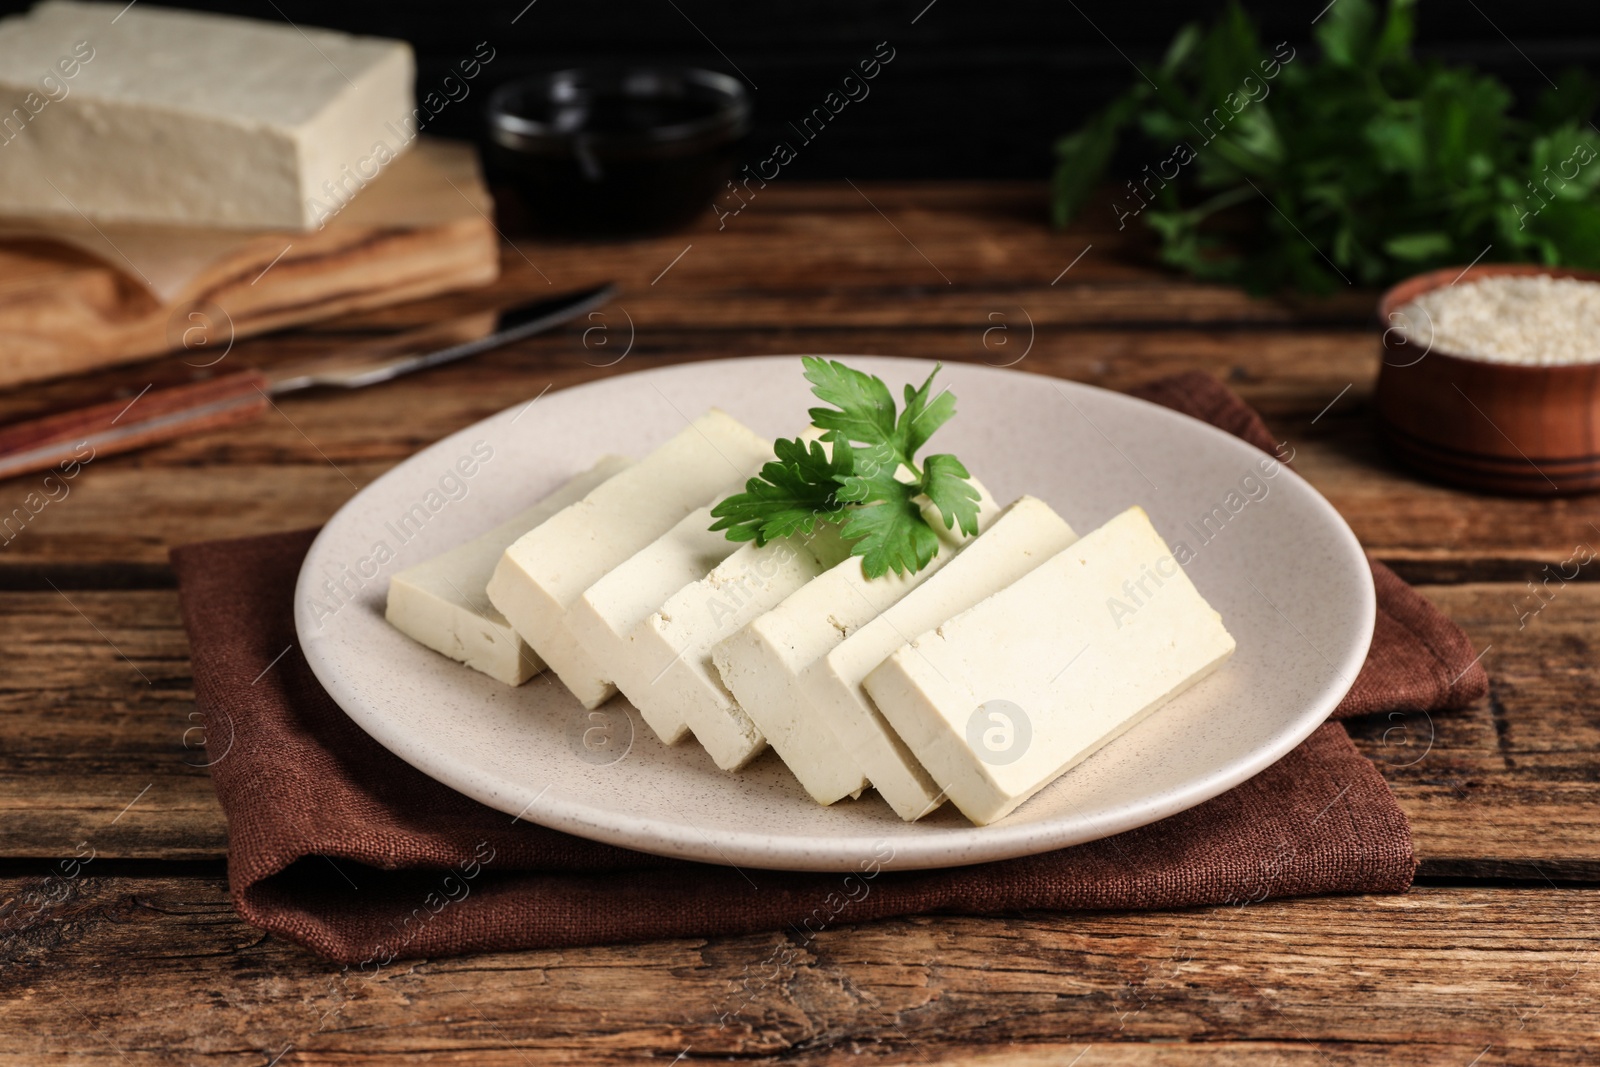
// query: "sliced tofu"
[[1023, 536], [1003, 698], [675, 642], [762, 663], [441, 602], [549, 567], [608, 613], [606, 616]]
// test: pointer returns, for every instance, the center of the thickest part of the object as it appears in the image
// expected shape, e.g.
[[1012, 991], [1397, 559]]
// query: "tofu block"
[[1000, 700], [134, 113], [675, 642], [441, 602], [547, 569], [762, 664], [1023, 536], [606, 616]]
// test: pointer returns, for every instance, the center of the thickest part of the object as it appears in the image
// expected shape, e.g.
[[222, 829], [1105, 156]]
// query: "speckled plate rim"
[[1344, 574]]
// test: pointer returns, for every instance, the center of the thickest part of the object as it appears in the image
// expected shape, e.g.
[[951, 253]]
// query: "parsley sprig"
[[862, 475], [1273, 168]]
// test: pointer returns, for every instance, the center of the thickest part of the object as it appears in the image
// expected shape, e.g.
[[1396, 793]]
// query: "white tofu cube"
[[762, 664], [186, 118], [1003, 698], [606, 617], [547, 569], [441, 602], [675, 643], [1023, 536]]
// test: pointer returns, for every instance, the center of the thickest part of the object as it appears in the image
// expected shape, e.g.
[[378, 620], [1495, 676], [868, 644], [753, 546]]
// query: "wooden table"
[[140, 959]]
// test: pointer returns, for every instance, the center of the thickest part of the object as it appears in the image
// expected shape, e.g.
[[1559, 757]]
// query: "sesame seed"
[[1534, 320]]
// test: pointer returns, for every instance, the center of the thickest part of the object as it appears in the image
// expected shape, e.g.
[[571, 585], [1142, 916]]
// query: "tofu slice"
[[675, 642], [762, 664], [441, 602], [605, 617], [549, 567], [1003, 698], [1023, 536]]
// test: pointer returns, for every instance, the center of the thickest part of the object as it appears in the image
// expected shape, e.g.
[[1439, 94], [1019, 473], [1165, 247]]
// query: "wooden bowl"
[[1498, 427]]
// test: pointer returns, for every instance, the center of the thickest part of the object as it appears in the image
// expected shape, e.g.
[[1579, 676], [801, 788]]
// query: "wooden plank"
[[808, 268], [101, 752], [102, 743], [904, 255], [98, 706], [306, 457], [1284, 369], [1512, 785], [803, 254], [146, 970]]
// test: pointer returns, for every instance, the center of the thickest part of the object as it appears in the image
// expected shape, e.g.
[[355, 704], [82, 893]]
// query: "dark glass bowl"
[[613, 152]]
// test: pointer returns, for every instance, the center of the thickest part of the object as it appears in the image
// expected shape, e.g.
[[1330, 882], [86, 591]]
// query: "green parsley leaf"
[[891, 534], [922, 417], [865, 406], [856, 478], [1346, 163], [790, 494], [865, 410], [944, 481], [873, 478]]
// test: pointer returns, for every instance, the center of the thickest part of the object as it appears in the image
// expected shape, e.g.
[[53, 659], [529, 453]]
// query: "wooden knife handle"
[[122, 426]]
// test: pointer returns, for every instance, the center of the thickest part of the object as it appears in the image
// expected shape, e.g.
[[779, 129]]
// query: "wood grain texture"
[[1359, 980], [1110, 320], [99, 705], [141, 960], [297, 465]]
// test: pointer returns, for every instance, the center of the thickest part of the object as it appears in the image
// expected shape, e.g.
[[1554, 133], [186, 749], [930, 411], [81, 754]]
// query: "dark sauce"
[[595, 155], [613, 114]]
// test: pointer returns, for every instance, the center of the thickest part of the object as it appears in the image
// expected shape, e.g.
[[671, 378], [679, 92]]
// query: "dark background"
[[977, 90]]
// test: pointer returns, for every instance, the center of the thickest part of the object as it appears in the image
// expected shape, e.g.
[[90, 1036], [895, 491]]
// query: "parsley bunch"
[[854, 480], [1270, 168]]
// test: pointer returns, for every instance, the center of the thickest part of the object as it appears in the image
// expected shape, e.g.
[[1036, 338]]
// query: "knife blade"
[[156, 415], [352, 371]]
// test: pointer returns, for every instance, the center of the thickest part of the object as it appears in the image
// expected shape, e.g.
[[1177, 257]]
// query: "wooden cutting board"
[[75, 296]]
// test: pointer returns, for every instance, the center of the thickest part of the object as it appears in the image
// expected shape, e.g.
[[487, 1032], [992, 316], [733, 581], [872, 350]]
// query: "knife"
[[164, 414]]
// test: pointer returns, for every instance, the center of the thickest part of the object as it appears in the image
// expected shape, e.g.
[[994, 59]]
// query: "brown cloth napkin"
[[1419, 659], [342, 847]]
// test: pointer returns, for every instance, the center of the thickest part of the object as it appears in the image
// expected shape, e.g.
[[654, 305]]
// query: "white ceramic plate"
[[1280, 565]]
